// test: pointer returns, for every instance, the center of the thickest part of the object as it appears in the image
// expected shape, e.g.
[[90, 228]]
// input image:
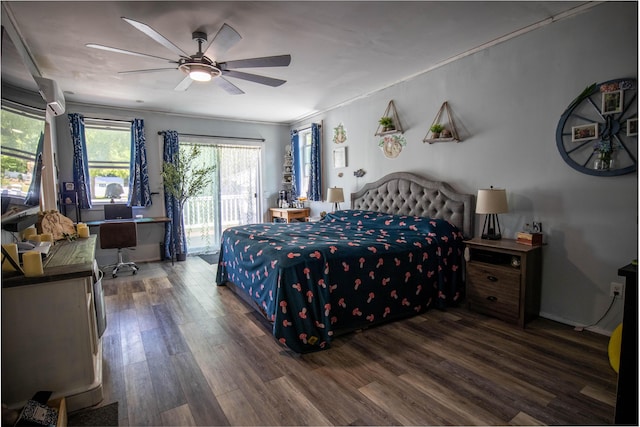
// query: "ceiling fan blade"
[[267, 61], [229, 87], [156, 36], [184, 84], [254, 78], [151, 70], [127, 52], [226, 38]]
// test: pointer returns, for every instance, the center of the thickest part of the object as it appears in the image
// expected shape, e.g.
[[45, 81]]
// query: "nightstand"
[[504, 279], [289, 214]]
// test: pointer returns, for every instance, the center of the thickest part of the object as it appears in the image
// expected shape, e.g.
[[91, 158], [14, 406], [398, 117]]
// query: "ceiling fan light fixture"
[[199, 75], [200, 72]]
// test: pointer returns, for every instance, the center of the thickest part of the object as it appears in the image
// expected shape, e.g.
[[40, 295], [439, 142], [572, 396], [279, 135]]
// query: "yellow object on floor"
[[614, 348]]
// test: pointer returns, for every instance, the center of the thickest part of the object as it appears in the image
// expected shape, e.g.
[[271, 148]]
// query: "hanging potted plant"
[[436, 129], [386, 123], [184, 179]]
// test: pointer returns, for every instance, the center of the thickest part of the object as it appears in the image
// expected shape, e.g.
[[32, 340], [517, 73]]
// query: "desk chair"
[[119, 235]]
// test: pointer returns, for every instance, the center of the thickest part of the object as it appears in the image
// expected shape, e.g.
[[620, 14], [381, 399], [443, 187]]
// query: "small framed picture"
[[69, 197], [612, 102], [69, 186], [584, 132], [340, 157], [632, 127]]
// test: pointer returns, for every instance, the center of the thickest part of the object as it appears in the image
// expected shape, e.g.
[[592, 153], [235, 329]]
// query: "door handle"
[[492, 298], [492, 278]]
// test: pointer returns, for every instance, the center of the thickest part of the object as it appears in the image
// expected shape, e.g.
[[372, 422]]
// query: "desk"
[[290, 213], [147, 220]]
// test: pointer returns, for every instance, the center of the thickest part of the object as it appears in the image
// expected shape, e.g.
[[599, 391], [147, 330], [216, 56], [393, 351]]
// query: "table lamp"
[[491, 202], [335, 195]]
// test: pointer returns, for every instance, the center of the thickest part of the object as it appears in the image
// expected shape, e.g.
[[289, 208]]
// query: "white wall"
[[507, 101]]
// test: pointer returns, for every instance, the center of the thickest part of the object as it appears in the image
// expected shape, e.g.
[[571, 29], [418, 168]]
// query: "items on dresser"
[[54, 223], [10, 258]]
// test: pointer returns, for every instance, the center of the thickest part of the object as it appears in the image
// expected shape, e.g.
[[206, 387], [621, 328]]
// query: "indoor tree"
[[184, 178]]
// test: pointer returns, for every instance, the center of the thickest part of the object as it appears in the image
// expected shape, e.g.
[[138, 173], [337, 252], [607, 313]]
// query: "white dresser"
[[51, 329]]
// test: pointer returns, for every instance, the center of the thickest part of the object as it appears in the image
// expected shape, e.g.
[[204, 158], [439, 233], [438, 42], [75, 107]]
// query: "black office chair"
[[119, 235]]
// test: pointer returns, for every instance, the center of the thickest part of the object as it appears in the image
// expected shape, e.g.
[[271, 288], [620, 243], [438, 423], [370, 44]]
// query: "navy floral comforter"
[[351, 270]]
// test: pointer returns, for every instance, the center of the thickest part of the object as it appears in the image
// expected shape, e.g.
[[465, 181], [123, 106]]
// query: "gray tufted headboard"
[[405, 193]]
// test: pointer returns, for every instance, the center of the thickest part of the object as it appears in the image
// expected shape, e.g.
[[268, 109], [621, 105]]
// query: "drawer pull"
[[492, 278], [492, 298]]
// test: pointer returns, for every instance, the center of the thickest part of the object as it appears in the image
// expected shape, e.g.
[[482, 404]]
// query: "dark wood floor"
[[178, 350]]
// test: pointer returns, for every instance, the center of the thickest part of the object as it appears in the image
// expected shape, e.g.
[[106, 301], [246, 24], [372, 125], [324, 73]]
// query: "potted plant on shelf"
[[436, 129], [386, 123], [183, 179]]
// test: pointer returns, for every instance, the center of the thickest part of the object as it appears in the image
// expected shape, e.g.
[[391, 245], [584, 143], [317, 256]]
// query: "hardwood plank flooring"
[[179, 350]]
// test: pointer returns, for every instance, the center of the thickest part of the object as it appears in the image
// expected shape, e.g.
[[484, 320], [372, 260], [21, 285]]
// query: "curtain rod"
[[242, 138], [307, 127], [95, 119]]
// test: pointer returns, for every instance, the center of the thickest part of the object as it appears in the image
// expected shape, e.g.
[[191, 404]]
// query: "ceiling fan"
[[200, 67]]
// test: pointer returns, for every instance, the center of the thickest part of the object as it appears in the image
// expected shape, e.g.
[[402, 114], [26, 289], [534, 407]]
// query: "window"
[[232, 197], [304, 162], [109, 156], [21, 129]]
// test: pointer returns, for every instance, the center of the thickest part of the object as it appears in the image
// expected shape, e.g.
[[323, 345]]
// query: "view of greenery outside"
[[109, 154], [20, 134]]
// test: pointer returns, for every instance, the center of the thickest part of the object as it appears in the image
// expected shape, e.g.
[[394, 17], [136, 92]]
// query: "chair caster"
[[114, 275], [135, 272]]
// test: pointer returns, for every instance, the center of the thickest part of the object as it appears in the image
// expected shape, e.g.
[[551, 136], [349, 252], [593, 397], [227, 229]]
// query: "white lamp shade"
[[335, 195], [492, 201]]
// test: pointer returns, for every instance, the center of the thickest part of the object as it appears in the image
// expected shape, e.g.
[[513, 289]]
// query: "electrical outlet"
[[617, 290]]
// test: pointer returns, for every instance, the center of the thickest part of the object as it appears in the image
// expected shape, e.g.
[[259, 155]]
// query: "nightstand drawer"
[[494, 289]]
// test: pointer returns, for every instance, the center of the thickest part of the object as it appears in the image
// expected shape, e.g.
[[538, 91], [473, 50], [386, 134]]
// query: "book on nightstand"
[[531, 239]]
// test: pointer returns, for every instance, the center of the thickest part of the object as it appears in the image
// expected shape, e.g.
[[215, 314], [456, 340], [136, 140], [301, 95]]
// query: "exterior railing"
[[234, 210]]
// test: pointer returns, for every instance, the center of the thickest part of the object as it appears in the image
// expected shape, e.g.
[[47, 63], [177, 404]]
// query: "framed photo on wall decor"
[[612, 102], [605, 125], [584, 132], [632, 127], [340, 158]]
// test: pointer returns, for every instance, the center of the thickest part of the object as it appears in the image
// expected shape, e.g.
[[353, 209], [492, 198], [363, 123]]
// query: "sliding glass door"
[[231, 199]]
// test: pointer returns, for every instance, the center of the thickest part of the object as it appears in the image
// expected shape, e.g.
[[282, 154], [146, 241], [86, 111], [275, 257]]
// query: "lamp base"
[[491, 236], [491, 229]]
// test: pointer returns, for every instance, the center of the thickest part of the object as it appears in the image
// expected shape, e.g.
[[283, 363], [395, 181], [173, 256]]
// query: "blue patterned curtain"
[[172, 206], [315, 177], [33, 196], [296, 172], [80, 160], [139, 189]]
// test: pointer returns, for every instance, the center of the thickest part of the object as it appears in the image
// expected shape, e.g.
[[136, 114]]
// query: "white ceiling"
[[340, 50]]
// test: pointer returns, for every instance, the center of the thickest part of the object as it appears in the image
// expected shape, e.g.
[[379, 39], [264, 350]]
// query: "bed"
[[396, 253]]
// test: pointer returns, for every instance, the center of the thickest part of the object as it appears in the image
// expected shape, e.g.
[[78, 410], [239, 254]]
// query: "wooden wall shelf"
[[449, 125], [390, 112]]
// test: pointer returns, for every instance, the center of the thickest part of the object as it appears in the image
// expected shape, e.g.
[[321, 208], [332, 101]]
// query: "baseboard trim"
[[594, 329]]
